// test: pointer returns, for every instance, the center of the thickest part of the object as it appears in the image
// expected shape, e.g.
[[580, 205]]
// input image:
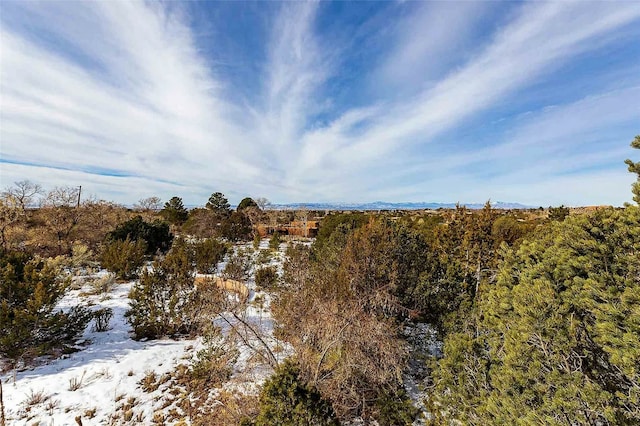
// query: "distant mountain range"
[[381, 205]]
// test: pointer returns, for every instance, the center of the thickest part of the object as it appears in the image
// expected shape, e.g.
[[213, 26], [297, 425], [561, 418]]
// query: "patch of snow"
[[424, 344]]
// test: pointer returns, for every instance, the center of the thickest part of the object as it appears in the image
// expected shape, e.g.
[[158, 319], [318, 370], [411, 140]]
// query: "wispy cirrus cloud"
[[427, 43], [537, 41], [135, 97], [117, 95]]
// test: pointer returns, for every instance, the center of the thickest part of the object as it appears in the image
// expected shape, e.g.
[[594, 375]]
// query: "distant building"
[[298, 228]]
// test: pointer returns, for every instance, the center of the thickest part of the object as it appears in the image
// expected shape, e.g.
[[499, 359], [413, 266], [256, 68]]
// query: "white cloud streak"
[[151, 108], [428, 42], [542, 37]]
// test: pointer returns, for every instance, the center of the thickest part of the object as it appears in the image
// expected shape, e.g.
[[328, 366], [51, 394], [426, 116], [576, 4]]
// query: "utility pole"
[[79, 192]]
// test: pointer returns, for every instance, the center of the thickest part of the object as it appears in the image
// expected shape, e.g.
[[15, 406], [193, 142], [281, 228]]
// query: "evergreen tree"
[[558, 213], [274, 241], [462, 255], [555, 340], [124, 258], [634, 167], [246, 203], [219, 204], [174, 211], [155, 235], [162, 301], [287, 401], [236, 227], [329, 224], [267, 277], [508, 229], [207, 254], [29, 291]]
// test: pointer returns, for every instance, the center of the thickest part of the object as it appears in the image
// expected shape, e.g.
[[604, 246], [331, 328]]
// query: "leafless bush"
[[101, 318]]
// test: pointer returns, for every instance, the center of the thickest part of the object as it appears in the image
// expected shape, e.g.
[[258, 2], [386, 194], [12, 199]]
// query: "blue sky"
[[322, 101]]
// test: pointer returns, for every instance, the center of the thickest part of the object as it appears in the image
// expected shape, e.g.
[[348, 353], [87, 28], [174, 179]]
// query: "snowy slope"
[[109, 366]]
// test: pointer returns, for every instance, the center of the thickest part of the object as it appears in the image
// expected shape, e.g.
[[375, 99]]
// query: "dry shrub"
[[346, 346], [90, 413], [158, 418], [36, 397], [52, 404], [103, 284], [149, 382], [101, 318], [227, 408], [128, 415]]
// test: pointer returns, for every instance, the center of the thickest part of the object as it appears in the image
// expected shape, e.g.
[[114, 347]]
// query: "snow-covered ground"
[[104, 376], [106, 370], [424, 343]]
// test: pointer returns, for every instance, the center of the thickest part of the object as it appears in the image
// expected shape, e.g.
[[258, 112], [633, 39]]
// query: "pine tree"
[[554, 341], [634, 167], [174, 211], [247, 203], [287, 401], [219, 204], [161, 302], [29, 325], [156, 235]]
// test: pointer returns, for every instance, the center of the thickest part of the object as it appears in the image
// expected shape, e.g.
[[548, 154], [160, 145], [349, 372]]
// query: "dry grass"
[[128, 415], [75, 383], [36, 397], [103, 284], [150, 382], [158, 418], [51, 406], [102, 373]]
